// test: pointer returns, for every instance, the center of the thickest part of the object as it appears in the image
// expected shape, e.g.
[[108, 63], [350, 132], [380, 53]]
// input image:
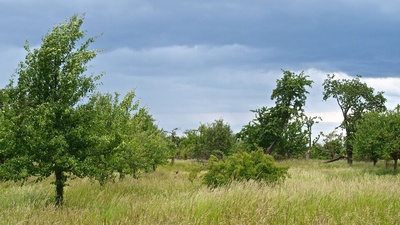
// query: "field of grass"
[[316, 193]]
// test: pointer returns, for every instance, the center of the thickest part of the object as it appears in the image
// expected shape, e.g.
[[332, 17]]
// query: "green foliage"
[[208, 139], [47, 129], [281, 127], [194, 171], [354, 99], [129, 140], [377, 136], [333, 144], [317, 152], [243, 166], [52, 123]]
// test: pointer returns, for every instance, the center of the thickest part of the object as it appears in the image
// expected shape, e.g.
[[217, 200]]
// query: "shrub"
[[244, 166]]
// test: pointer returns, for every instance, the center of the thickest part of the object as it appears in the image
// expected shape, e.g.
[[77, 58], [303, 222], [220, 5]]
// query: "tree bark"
[[395, 156], [271, 148], [336, 159], [375, 161], [349, 156], [349, 149], [60, 183]]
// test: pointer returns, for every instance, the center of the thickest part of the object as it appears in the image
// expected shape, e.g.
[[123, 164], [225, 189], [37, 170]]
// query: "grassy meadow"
[[315, 193]]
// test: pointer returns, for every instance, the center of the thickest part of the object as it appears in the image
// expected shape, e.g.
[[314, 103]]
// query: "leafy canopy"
[[354, 99], [281, 126], [208, 139], [377, 136], [53, 123]]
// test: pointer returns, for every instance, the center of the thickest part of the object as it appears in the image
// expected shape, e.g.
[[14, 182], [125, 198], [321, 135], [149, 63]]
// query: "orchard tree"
[[190, 146], [46, 126], [368, 140], [282, 125], [333, 144], [377, 136], [218, 136], [130, 140], [208, 139], [354, 99], [174, 141]]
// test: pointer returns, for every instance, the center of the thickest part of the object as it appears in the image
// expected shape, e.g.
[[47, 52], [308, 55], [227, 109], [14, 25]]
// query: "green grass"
[[315, 193]]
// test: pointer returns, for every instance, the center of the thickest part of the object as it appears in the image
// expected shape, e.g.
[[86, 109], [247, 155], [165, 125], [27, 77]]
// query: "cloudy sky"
[[192, 62]]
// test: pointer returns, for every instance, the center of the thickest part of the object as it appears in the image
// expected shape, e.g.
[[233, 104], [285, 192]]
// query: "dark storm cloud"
[[196, 61]]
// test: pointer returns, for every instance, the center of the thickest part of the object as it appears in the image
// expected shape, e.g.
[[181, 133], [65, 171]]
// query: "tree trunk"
[[349, 152], [395, 156], [347, 142], [336, 159], [121, 176], [60, 183], [349, 157], [271, 148]]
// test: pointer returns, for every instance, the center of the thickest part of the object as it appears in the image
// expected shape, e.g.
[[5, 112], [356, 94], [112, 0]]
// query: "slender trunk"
[[349, 152], [375, 161], [271, 148], [60, 183], [347, 140], [395, 164]]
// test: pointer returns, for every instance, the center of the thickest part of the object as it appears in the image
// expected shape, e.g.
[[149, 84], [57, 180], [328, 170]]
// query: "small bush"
[[244, 166]]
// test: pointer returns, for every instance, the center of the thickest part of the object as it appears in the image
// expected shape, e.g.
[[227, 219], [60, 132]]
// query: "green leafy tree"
[[154, 141], [190, 146], [354, 99], [47, 128], [377, 136], [281, 126], [112, 118], [218, 136], [131, 141], [174, 144], [208, 139], [368, 139], [333, 144], [317, 152]]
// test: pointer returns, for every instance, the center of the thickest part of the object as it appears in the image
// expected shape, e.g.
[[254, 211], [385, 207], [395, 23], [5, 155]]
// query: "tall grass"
[[316, 193]]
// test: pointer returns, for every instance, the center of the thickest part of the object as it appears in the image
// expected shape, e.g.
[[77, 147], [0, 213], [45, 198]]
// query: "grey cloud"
[[180, 60], [193, 60]]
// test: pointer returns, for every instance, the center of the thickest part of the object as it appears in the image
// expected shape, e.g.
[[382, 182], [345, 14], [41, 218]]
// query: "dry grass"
[[316, 193]]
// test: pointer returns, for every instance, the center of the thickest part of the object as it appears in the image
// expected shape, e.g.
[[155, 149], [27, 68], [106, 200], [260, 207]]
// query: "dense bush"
[[244, 166]]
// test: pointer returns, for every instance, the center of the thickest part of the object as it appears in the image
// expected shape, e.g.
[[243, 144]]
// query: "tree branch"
[[336, 159]]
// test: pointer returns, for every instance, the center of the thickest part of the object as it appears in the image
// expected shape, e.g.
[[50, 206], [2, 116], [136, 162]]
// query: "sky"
[[193, 62]]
